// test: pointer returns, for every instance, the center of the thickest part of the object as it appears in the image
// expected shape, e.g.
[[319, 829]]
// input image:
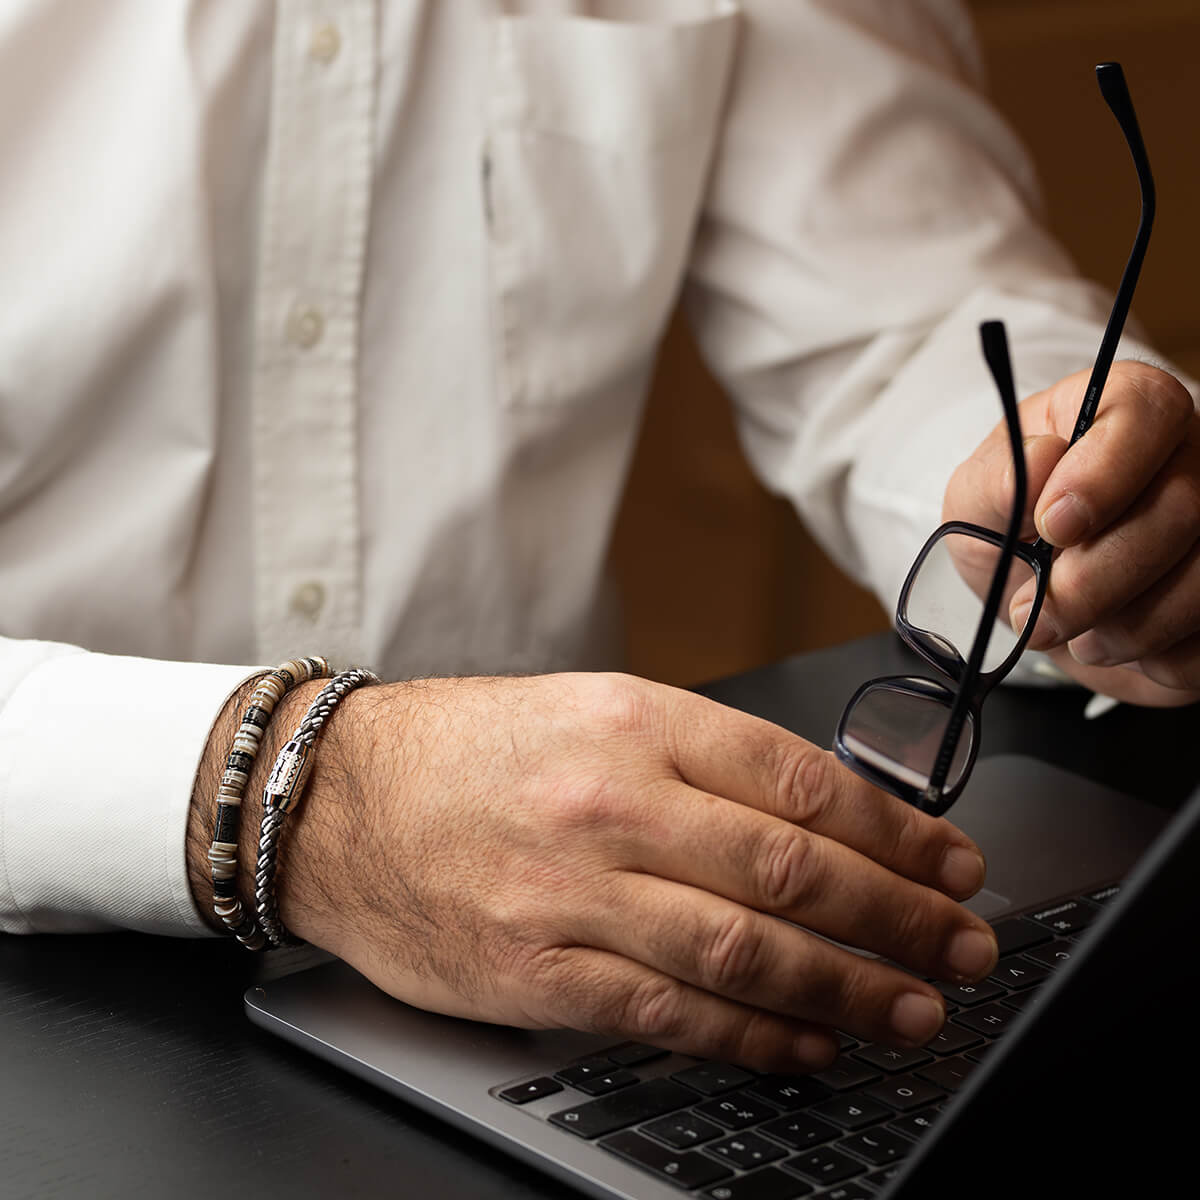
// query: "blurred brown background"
[[718, 576]]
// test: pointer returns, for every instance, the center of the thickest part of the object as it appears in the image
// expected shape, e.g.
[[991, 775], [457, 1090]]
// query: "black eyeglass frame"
[[965, 700]]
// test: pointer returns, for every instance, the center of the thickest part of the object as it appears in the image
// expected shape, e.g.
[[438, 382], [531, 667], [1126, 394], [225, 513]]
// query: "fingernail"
[[972, 953], [1065, 521], [916, 1017], [963, 871], [1018, 615]]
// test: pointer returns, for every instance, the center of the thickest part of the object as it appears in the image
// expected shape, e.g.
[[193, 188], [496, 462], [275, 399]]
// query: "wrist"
[[288, 713]]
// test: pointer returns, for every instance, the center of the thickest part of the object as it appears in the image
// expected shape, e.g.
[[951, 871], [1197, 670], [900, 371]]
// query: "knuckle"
[[580, 804], [806, 783], [1181, 499], [733, 953], [619, 704], [548, 976], [653, 1008], [1159, 391], [921, 928], [788, 867]]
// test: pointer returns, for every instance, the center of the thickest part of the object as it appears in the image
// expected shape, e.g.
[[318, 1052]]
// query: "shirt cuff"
[[98, 756]]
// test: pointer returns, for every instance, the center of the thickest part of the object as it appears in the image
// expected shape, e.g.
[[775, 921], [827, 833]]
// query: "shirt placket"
[[316, 203]]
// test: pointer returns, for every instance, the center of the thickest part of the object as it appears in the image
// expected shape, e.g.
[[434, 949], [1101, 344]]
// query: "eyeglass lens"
[[945, 600], [899, 732]]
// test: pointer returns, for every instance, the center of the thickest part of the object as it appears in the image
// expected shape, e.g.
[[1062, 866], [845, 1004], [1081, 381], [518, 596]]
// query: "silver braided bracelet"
[[284, 790]]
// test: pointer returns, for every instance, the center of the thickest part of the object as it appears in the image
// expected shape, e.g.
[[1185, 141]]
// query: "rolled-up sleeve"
[[867, 210], [98, 755]]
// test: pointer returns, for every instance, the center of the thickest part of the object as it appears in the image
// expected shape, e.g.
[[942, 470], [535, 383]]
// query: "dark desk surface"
[[129, 1069]]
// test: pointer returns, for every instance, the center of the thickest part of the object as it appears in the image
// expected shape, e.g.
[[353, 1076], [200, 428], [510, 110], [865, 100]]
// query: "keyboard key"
[[891, 1059], [600, 1085], [767, 1184], [632, 1054], [712, 1078], [845, 1041], [789, 1092], [630, 1106], [848, 1191], [592, 1068], [682, 1130], [1018, 934], [967, 995], [746, 1150], [877, 1147], [801, 1131], [851, 1112], [825, 1165], [953, 1039], [915, 1125], [1018, 973], [881, 1178], [736, 1111], [1018, 1000], [535, 1089], [991, 1019], [1105, 894], [689, 1169], [904, 1092], [1053, 954], [949, 1074], [846, 1073], [1069, 916]]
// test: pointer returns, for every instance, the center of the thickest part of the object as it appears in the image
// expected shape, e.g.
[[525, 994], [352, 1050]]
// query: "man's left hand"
[[1122, 507]]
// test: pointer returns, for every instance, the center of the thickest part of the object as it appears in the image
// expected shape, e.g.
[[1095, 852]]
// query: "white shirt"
[[327, 326]]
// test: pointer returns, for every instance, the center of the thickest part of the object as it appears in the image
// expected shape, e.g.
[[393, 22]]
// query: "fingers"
[[726, 753], [732, 951], [601, 992], [1123, 506], [1091, 582], [1143, 416], [1128, 625], [774, 866]]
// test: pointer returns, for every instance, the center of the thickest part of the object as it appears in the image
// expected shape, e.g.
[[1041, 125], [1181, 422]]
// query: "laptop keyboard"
[[728, 1133]]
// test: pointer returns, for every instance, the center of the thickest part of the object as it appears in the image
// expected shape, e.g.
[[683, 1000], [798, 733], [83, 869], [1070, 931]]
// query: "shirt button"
[[305, 325], [308, 599], [325, 44]]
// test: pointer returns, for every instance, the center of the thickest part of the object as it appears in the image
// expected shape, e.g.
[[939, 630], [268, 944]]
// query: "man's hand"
[[607, 854], [1122, 610]]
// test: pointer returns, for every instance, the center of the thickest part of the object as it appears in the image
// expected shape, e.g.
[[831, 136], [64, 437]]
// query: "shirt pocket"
[[600, 129]]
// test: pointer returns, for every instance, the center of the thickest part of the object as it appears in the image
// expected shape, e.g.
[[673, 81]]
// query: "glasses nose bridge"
[[938, 652]]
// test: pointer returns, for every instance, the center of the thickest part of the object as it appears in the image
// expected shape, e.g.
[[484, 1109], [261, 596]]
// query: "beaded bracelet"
[[223, 853], [283, 792]]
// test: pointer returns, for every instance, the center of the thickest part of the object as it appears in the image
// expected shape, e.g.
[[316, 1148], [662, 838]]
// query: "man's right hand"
[[607, 854]]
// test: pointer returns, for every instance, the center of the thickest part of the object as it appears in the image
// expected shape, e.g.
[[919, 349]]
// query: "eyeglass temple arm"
[[995, 351], [1111, 79]]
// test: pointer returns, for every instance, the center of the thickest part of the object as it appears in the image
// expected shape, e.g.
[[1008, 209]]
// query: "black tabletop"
[[130, 1070]]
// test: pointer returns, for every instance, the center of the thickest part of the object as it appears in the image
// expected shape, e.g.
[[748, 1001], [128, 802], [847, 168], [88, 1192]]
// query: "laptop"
[[1059, 1072]]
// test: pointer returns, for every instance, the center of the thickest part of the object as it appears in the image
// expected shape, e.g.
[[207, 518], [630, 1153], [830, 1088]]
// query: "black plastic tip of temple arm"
[[1111, 79], [1115, 91], [995, 352]]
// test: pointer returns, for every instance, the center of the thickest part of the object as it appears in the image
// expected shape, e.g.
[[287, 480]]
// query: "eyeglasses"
[[912, 735]]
